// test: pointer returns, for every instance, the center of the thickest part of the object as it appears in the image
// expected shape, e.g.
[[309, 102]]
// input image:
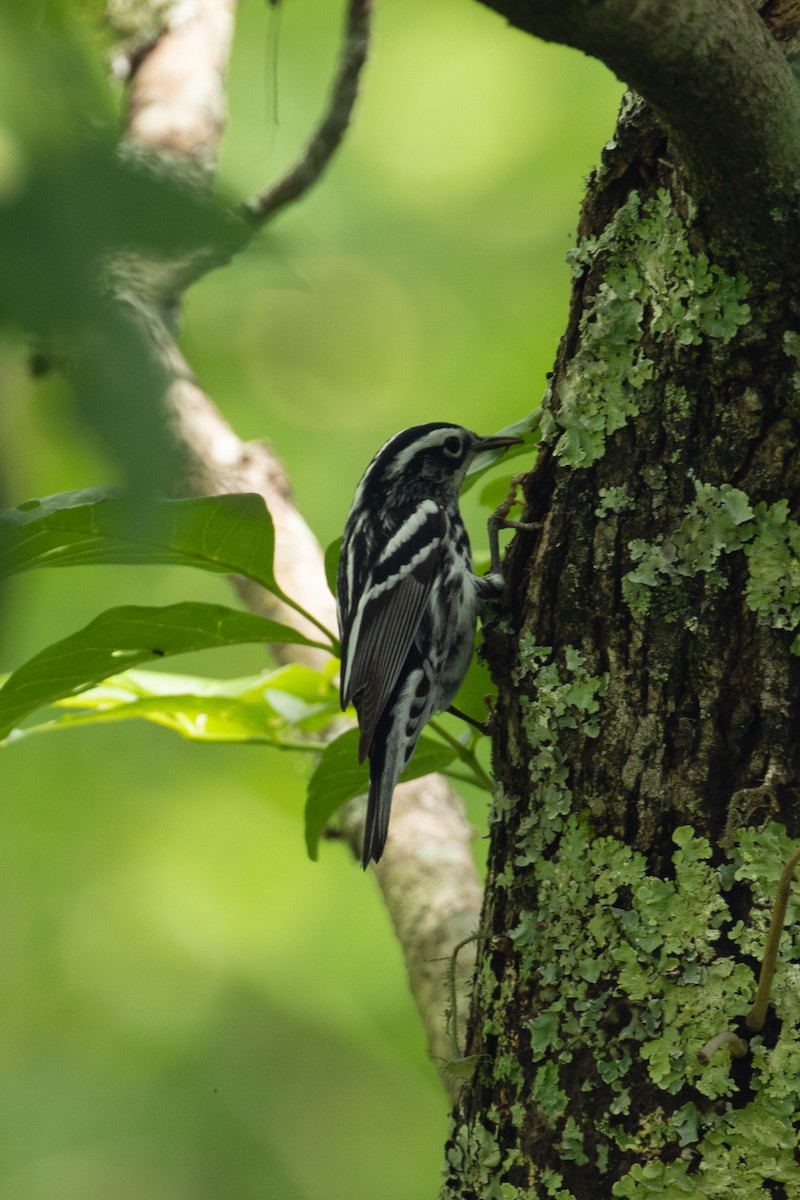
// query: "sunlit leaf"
[[251, 709], [198, 718], [339, 776], [124, 637]]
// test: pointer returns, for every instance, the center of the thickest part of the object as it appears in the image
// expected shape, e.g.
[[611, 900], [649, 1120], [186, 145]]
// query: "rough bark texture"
[[645, 738]]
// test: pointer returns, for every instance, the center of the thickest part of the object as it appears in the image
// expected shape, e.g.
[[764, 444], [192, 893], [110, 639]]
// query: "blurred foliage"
[[189, 1007], [70, 206]]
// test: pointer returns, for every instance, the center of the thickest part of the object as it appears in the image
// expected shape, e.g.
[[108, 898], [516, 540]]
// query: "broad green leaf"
[[339, 776], [230, 534], [124, 637], [55, 284], [278, 708], [198, 718]]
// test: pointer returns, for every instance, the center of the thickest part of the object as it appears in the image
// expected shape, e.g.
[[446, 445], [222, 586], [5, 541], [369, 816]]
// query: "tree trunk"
[[645, 735]]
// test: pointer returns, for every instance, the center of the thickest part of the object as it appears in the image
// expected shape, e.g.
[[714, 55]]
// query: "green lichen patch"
[[773, 561], [614, 499], [626, 976], [758, 860], [652, 282], [557, 697], [625, 968], [791, 344], [717, 522], [721, 521], [606, 937], [478, 1162]]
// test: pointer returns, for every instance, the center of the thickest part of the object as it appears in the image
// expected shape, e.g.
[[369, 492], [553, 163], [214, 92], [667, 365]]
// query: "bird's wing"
[[388, 614]]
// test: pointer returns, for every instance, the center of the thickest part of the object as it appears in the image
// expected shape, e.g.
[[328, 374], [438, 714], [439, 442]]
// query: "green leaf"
[[231, 534], [332, 555], [198, 718], [53, 284], [527, 429], [124, 637], [477, 685], [495, 492], [278, 708], [339, 776], [56, 287]]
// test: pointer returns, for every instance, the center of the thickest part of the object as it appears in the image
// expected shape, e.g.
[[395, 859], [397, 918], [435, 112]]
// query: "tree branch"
[[428, 880], [177, 103], [718, 82], [332, 128]]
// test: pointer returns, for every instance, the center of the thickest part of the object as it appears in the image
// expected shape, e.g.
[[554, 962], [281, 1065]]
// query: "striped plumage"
[[407, 598]]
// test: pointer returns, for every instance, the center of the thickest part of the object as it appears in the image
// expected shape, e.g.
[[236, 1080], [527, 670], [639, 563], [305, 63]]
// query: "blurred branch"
[[174, 60], [331, 129], [720, 84], [177, 103], [427, 874], [428, 880], [219, 461]]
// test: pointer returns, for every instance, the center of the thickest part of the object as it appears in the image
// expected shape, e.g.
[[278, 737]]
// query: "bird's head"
[[430, 460]]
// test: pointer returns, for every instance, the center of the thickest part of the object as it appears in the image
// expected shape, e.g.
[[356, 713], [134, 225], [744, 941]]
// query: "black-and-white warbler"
[[408, 600]]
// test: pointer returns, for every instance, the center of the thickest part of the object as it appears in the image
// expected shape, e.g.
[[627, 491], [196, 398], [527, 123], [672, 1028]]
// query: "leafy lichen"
[[627, 967], [791, 344], [651, 281], [565, 697], [721, 521], [773, 561], [744, 1151], [716, 522], [635, 973], [614, 499], [477, 1160]]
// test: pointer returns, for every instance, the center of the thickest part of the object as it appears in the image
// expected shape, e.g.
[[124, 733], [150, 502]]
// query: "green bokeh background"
[[188, 1007]]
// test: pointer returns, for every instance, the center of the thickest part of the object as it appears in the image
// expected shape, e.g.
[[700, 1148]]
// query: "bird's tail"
[[387, 758], [376, 826], [395, 737]]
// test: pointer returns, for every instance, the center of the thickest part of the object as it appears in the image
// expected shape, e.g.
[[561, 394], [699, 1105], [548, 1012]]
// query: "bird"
[[407, 600]]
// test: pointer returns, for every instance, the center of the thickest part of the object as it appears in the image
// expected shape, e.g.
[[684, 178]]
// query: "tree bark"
[[645, 735]]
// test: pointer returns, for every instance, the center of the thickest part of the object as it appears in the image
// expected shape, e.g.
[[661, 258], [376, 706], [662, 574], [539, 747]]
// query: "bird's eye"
[[452, 446]]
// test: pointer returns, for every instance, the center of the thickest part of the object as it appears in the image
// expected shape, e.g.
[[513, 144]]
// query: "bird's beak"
[[490, 446], [500, 442]]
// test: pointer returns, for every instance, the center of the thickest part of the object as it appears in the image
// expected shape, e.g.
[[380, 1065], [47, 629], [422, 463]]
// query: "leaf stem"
[[466, 755], [333, 646]]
